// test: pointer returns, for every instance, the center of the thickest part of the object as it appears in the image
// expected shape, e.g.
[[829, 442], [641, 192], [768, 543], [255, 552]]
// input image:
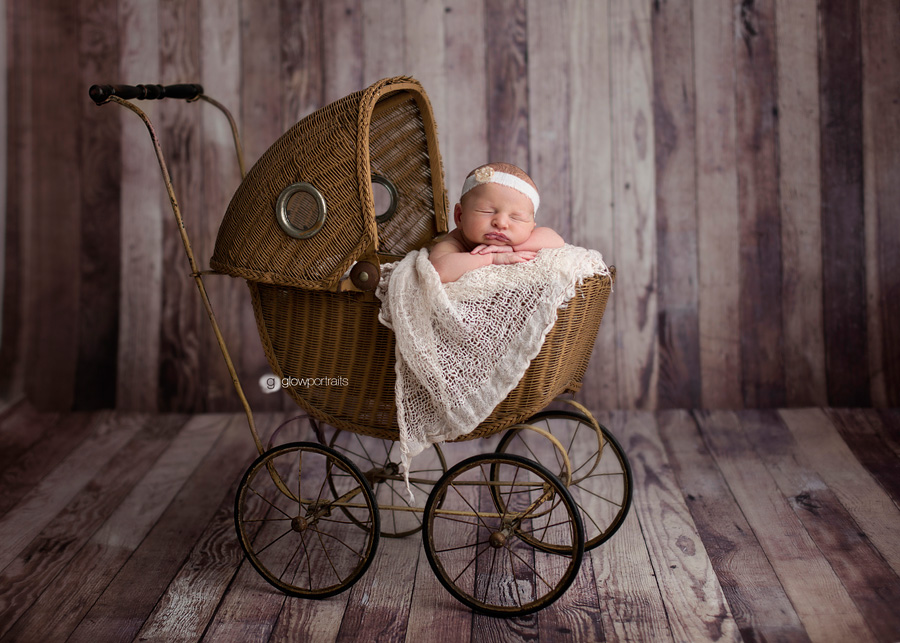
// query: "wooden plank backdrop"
[[736, 161]]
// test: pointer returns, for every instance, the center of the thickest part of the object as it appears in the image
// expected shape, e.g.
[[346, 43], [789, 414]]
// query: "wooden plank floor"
[[757, 525]]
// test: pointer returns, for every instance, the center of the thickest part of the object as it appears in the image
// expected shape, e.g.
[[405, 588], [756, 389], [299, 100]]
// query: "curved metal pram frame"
[[504, 533]]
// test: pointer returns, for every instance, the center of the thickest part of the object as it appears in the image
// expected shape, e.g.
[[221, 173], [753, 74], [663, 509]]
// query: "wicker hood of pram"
[[325, 343]]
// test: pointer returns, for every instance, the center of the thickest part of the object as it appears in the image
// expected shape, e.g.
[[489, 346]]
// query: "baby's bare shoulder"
[[445, 244], [544, 237]]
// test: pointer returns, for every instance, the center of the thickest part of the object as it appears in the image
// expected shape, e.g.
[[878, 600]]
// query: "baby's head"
[[497, 205], [505, 174]]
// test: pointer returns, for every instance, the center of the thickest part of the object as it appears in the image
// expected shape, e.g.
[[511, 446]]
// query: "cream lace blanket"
[[462, 347]]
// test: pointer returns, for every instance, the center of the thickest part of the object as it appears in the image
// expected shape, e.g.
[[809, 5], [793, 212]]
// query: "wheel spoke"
[[529, 566], [604, 498], [336, 539], [460, 547], [490, 575], [309, 572], [511, 487], [472, 562], [259, 551], [525, 444], [474, 511], [327, 555], [291, 559], [515, 581], [444, 516], [270, 503], [545, 527]]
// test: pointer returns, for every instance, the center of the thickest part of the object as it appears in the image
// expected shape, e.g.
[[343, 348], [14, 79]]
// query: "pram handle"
[[102, 93]]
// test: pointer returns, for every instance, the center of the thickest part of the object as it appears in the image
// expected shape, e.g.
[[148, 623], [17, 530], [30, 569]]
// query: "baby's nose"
[[501, 220]]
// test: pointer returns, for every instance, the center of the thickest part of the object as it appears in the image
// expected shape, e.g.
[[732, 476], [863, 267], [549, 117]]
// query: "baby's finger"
[[478, 250]]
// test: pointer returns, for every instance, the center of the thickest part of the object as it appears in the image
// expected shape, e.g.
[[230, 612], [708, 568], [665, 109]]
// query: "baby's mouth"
[[496, 236]]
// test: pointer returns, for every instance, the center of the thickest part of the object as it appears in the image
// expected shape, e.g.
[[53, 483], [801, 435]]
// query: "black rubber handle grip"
[[102, 93]]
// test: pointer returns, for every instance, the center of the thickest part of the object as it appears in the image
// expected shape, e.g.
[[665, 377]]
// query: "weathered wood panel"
[[464, 132], [679, 558], [548, 125], [881, 126], [98, 308], [872, 509], [718, 238], [302, 67], [590, 169], [634, 250], [53, 442], [755, 596], [877, 452], [55, 490], [507, 81], [120, 611], [821, 601], [424, 51], [676, 205], [762, 335], [52, 550], [869, 581], [630, 601], [21, 427], [220, 53], [800, 190], [843, 221], [182, 372], [51, 262], [263, 119], [141, 258], [59, 610], [343, 53], [9, 228], [182, 613], [389, 620]]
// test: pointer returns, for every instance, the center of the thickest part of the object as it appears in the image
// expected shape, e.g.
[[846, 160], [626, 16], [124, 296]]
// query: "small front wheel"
[[307, 520], [484, 554]]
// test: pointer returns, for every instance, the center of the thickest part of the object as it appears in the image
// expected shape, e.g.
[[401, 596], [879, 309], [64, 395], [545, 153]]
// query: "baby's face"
[[495, 215]]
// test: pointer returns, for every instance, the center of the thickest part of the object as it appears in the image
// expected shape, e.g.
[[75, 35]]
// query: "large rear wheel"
[[601, 475]]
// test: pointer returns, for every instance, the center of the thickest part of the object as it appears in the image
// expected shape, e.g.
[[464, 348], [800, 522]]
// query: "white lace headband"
[[487, 174]]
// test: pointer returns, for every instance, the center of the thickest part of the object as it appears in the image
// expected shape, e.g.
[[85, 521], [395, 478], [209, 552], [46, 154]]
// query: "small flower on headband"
[[484, 174]]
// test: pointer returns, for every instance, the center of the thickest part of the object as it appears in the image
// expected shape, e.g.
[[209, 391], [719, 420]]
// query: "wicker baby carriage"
[[306, 229]]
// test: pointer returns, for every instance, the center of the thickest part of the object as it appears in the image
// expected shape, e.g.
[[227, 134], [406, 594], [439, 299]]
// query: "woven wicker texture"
[[341, 359], [387, 129]]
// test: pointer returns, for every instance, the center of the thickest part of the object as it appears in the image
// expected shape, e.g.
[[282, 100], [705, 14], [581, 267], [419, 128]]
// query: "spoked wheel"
[[601, 476], [484, 555], [307, 520], [379, 461]]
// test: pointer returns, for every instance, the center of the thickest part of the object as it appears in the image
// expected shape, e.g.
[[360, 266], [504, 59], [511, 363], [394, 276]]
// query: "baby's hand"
[[520, 256], [485, 249]]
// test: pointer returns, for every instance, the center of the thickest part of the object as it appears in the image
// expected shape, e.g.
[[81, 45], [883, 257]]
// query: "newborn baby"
[[495, 223]]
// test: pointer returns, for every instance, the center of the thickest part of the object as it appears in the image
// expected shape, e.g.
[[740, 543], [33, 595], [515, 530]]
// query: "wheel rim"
[[379, 462], [601, 475], [485, 557], [291, 515]]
